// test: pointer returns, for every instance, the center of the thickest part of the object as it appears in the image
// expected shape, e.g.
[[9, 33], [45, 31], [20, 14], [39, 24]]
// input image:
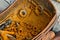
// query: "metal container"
[[44, 4]]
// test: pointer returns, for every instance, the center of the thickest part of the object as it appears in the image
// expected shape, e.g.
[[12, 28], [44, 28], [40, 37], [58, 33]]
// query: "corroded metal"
[[28, 19]]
